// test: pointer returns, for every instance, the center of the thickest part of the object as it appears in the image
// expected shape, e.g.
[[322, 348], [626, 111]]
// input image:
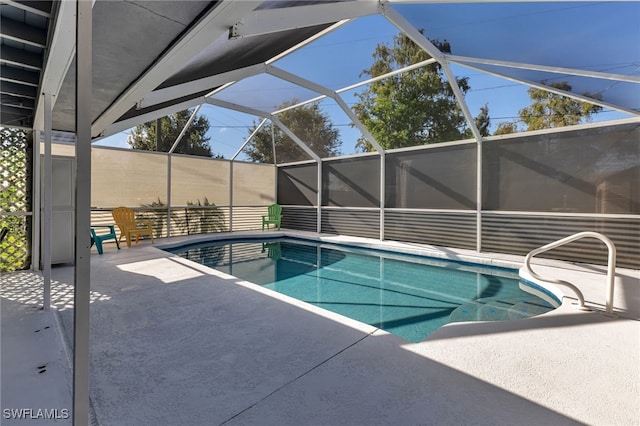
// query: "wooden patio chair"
[[274, 215], [125, 218]]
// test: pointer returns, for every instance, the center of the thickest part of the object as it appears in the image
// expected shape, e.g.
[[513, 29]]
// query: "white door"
[[62, 217]]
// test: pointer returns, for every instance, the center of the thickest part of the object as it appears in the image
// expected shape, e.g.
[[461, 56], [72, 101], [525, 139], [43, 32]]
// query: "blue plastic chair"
[[98, 239]]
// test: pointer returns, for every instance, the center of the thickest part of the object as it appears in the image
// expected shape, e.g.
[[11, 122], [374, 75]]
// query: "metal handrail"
[[611, 265]]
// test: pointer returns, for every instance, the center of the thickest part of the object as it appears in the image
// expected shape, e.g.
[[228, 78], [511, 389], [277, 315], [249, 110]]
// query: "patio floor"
[[173, 342]]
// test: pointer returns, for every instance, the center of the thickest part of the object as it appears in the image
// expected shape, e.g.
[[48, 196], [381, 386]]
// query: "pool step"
[[498, 309]]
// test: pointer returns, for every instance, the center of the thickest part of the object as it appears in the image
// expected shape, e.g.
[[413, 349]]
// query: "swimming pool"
[[410, 296]]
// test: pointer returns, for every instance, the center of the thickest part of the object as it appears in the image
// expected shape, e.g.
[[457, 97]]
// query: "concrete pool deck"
[[173, 342]]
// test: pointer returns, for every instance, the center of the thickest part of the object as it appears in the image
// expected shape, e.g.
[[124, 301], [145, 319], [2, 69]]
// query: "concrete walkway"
[[173, 342]]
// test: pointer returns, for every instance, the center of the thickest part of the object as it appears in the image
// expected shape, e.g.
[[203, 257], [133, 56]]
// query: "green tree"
[[194, 141], [308, 123], [412, 108], [549, 110], [483, 121], [506, 127]]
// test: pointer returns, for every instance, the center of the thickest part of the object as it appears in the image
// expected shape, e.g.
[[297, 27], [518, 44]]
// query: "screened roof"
[[154, 58]]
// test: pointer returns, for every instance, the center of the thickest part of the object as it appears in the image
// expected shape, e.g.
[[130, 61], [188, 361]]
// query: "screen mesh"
[[353, 182], [253, 184], [436, 178], [127, 178], [193, 179], [298, 185], [583, 171]]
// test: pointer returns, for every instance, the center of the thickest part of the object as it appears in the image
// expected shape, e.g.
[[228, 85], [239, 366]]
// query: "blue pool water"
[[409, 296]]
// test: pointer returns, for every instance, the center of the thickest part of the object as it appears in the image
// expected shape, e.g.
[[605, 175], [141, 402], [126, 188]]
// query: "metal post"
[[383, 158], [273, 143], [275, 161], [479, 196], [82, 278], [48, 203], [169, 194], [157, 133], [35, 221], [319, 200], [231, 195]]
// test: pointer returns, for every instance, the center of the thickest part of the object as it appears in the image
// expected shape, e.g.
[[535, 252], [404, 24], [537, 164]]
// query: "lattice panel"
[[14, 199]]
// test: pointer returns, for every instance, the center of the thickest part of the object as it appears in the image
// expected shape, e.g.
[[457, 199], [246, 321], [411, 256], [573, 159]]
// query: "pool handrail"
[[611, 265]]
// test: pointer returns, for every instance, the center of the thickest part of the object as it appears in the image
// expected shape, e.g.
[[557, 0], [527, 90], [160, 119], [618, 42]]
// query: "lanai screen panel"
[[622, 93], [589, 36], [253, 184], [351, 182], [337, 59], [195, 179], [593, 170], [264, 92], [298, 185], [127, 178], [434, 178]]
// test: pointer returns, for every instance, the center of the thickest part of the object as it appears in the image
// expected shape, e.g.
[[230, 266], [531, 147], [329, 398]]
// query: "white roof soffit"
[[210, 26], [61, 53], [266, 21]]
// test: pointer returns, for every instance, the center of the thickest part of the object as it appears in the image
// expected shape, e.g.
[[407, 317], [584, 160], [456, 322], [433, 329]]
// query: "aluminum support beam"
[[62, 48], [308, 41], [169, 156], [246, 142], [47, 190], [222, 16], [169, 194], [273, 145], [383, 191], [268, 21], [36, 185], [120, 126], [196, 86], [403, 25], [185, 128], [296, 139], [237, 107], [82, 275], [311, 154], [556, 91], [292, 78], [462, 60], [319, 199], [230, 197]]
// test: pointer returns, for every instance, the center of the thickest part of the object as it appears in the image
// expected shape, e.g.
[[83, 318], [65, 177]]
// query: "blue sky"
[[592, 36]]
